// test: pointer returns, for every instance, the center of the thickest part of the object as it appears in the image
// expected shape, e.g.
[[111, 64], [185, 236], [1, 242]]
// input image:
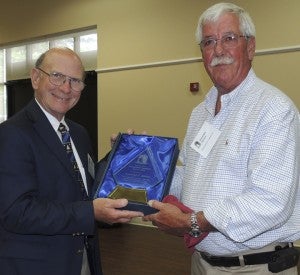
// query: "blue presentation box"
[[140, 168]]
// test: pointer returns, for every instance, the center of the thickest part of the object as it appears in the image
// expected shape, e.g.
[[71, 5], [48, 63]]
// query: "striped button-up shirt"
[[247, 186]]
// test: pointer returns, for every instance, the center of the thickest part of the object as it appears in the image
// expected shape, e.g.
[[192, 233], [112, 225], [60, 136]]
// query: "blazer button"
[[80, 251]]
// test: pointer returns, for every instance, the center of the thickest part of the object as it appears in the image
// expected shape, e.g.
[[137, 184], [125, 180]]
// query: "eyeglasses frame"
[[215, 40], [65, 79]]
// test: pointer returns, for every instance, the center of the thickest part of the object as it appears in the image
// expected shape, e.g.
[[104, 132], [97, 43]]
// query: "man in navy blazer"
[[46, 227]]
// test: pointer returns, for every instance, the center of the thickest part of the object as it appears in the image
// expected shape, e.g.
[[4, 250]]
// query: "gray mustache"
[[224, 60]]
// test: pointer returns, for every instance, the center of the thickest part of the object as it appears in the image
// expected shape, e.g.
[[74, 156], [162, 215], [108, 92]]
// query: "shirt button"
[[80, 251]]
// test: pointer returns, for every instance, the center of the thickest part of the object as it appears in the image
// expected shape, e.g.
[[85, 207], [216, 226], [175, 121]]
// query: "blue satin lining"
[[156, 151]]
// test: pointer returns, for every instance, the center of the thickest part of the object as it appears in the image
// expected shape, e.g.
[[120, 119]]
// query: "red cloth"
[[190, 241]]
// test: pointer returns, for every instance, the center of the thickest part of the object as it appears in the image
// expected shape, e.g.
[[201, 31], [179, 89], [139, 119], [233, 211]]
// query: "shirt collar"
[[226, 99], [53, 121]]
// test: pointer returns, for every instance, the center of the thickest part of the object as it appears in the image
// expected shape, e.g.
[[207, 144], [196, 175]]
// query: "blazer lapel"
[[45, 130]]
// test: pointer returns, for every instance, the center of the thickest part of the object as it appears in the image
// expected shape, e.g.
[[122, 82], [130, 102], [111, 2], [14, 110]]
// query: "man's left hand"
[[169, 219]]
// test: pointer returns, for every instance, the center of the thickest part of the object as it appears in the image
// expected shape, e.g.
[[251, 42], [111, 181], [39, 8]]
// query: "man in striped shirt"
[[240, 161]]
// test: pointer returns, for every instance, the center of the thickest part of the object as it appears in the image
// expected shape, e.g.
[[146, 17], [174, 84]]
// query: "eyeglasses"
[[228, 41], [59, 79]]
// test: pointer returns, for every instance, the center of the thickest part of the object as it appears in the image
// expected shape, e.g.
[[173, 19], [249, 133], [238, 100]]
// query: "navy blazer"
[[43, 221]]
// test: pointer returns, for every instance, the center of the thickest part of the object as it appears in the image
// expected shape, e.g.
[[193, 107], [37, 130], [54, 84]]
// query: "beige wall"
[[133, 32]]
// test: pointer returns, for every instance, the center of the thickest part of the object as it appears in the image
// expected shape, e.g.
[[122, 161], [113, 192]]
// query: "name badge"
[[205, 139], [91, 166]]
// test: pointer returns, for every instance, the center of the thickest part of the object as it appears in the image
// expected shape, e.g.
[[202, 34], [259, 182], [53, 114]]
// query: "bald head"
[[58, 51]]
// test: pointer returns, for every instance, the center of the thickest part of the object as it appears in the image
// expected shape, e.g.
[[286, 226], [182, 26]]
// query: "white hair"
[[213, 13]]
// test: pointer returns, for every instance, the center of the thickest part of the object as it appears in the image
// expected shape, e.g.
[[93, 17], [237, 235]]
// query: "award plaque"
[[140, 168]]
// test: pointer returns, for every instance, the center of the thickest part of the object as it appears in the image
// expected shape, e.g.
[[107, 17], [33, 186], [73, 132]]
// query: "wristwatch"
[[195, 228]]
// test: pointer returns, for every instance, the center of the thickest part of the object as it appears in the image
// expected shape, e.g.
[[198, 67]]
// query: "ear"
[[35, 78], [251, 48]]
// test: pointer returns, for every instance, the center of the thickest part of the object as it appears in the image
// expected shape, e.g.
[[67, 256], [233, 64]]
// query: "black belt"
[[250, 259]]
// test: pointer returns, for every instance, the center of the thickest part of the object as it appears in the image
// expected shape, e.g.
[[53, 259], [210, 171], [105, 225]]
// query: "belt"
[[249, 259]]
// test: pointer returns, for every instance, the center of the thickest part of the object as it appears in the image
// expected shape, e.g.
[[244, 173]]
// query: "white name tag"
[[205, 139]]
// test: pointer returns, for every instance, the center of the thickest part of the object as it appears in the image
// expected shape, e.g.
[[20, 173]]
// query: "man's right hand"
[[107, 211]]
